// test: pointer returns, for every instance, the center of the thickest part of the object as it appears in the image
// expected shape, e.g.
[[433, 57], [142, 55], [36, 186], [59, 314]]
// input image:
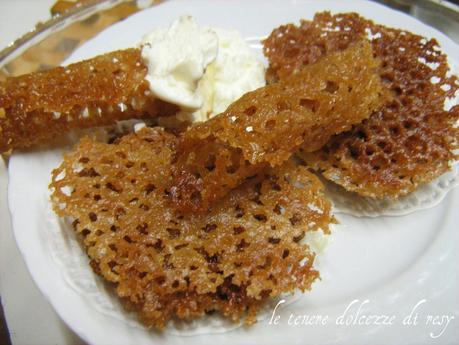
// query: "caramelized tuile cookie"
[[164, 265], [38, 107], [264, 127], [407, 142]]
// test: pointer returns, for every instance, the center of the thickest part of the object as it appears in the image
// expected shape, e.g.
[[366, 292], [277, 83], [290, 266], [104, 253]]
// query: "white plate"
[[388, 264]]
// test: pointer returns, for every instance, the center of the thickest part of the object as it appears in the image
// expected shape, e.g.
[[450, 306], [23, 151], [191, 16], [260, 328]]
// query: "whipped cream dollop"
[[201, 69], [234, 72], [177, 58]]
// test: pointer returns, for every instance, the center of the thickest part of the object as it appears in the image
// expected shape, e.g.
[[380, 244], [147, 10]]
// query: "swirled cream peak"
[[201, 69], [177, 58]]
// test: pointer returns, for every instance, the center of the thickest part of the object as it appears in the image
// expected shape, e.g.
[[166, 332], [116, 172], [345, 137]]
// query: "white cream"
[[235, 71], [201, 69], [177, 58]]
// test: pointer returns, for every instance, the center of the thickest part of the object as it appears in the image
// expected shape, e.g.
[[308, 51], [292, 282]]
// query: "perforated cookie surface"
[[264, 127], [40, 106], [407, 142], [166, 265]]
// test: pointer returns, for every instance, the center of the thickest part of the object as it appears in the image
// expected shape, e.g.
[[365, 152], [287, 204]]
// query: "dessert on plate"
[[211, 216], [247, 249], [266, 126], [409, 141]]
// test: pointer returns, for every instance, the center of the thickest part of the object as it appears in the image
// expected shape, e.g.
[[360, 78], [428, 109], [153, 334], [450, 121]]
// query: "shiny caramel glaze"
[[164, 265], [407, 142], [264, 127], [38, 107]]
